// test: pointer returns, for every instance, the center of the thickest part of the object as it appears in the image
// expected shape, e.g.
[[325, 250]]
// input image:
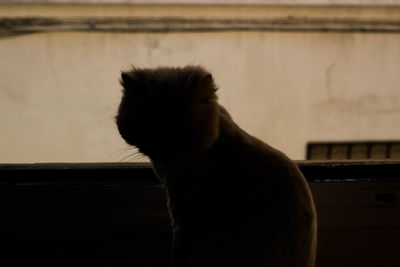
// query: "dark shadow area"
[[116, 215]]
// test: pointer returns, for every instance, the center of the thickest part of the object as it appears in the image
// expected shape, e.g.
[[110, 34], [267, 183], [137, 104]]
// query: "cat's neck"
[[229, 134]]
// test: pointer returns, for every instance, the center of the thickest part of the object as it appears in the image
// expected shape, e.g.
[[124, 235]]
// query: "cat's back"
[[261, 198], [250, 158], [276, 177]]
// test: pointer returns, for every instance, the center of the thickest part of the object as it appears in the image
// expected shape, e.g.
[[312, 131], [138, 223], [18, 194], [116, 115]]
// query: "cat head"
[[168, 113]]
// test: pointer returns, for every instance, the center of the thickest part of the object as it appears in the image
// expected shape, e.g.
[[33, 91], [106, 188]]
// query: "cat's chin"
[[176, 156], [157, 154]]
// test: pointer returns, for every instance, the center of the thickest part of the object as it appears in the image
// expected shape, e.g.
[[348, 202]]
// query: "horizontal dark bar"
[[142, 174], [28, 25], [350, 171], [78, 173]]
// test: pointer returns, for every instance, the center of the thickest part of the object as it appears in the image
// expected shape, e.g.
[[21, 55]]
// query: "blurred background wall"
[[289, 72]]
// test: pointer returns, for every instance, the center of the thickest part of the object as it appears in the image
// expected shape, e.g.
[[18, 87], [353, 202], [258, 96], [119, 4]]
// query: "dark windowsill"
[[142, 174], [115, 214]]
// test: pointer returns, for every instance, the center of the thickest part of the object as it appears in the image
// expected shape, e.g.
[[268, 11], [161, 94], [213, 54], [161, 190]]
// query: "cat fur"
[[233, 200]]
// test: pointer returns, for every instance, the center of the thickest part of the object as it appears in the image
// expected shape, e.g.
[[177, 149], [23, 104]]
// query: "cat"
[[233, 200]]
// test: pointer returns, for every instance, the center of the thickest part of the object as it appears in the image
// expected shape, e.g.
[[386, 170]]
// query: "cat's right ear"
[[202, 85]]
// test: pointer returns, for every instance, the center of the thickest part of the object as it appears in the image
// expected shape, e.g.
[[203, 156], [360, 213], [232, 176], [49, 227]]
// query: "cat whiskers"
[[118, 153], [135, 157]]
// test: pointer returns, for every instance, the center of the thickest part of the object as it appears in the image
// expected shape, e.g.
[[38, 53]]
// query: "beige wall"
[[219, 2], [59, 91]]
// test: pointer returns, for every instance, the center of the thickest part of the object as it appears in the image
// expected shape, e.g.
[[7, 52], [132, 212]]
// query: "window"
[[353, 150]]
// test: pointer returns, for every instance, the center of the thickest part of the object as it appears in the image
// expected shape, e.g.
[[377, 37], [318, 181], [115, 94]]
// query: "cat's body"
[[234, 200]]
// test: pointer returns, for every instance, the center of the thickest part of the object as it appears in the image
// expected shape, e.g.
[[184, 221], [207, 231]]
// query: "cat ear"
[[126, 80], [204, 86], [132, 83]]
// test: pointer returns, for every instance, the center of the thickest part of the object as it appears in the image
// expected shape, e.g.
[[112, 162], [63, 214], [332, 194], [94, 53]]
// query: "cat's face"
[[168, 112]]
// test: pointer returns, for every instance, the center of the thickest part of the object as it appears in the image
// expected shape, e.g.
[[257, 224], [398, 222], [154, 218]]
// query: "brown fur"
[[234, 200]]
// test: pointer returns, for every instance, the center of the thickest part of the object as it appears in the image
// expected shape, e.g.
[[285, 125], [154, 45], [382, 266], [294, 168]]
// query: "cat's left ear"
[[203, 86], [127, 80], [133, 82]]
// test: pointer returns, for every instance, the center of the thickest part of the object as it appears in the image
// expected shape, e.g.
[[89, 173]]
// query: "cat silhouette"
[[233, 200]]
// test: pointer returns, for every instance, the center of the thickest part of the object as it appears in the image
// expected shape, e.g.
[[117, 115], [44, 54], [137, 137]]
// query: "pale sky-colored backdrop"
[[59, 91]]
